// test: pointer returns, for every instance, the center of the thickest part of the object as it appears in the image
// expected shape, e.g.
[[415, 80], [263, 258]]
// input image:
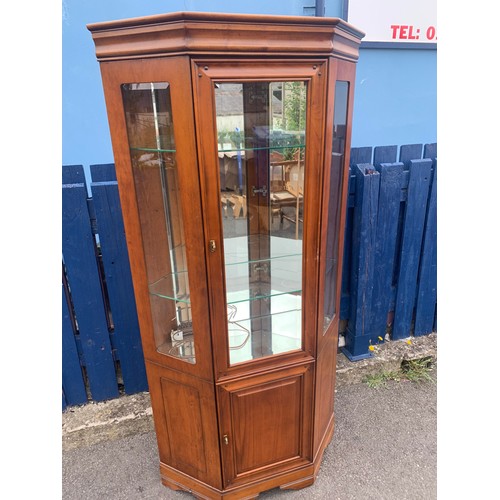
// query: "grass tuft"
[[414, 370]]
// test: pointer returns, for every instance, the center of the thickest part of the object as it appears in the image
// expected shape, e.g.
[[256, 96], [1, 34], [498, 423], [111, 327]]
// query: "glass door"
[[261, 132], [254, 141]]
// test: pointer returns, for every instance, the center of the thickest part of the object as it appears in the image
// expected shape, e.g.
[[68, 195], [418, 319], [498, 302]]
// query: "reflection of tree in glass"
[[294, 106]]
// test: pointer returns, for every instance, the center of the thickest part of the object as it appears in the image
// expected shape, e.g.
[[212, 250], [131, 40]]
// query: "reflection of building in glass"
[[229, 104]]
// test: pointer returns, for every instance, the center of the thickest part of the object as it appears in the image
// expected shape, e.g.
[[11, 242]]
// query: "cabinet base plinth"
[[298, 485], [292, 480]]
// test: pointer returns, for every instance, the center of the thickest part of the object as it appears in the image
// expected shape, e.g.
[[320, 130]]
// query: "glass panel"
[[336, 170], [261, 134], [152, 149]]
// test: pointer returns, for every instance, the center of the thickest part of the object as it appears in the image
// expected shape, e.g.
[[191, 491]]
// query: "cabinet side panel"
[[186, 423], [185, 432], [324, 390]]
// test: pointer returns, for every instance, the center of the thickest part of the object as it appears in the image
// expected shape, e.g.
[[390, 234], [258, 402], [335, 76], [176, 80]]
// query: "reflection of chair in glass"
[[287, 187], [236, 202], [239, 205]]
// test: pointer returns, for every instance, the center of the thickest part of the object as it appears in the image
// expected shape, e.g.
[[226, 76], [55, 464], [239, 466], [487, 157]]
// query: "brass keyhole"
[[212, 247], [226, 439]]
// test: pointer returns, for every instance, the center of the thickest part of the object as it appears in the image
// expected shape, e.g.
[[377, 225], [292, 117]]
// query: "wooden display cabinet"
[[231, 137]]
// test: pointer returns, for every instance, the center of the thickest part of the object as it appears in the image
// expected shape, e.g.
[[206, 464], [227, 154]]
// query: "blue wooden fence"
[[389, 274], [102, 353], [388, 281]]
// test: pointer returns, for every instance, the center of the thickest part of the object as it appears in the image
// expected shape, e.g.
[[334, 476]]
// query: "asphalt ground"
[[384, 448]]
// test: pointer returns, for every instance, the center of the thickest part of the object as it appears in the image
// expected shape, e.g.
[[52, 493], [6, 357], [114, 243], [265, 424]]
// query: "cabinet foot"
[[172, 485]]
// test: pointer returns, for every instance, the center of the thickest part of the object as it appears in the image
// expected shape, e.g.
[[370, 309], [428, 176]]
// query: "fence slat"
[[410, 152], [115, 258], [72, 376], [384, 154], [81, 266], [430, 151], [391, 175], [360, 155], [418, 192], [357, 336], [427, 286]]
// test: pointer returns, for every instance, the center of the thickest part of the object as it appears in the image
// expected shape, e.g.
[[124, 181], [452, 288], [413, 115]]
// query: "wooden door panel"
[[267, 421], [268, 418]]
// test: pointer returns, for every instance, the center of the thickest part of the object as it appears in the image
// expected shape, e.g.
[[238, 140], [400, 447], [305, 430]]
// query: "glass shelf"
[[274, 258], [285, 305], [249, 280], [246, 280], [164, 288], [280, 330], [153, 150], [236, 248], [253, 292], [267, 148], [238, 290]]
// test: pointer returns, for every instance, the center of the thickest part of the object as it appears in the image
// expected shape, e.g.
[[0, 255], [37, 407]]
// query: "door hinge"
[[262, 190]]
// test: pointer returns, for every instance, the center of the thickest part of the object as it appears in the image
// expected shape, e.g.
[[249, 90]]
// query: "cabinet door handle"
[[212, 246], [225, 439]]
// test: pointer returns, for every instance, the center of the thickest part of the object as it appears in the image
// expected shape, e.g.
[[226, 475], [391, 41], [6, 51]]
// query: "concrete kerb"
[[128, 415]]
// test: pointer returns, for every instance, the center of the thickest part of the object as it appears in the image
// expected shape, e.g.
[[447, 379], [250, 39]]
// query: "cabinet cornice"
[[229, 34]]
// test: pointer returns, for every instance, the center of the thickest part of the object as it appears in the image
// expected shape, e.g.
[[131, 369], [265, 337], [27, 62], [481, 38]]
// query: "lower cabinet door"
[[265, 424]]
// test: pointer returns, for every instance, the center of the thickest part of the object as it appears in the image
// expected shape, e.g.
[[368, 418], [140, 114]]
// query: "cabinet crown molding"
[[198, 33]]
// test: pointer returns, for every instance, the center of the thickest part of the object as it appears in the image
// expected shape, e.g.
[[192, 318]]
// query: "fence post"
[[391, 175], [358, 156], [116, 265], [357, 337], [81, 266], [416, 205]]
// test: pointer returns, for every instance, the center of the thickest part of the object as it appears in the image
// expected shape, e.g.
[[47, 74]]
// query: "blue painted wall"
[[395, 97], [395, 88]]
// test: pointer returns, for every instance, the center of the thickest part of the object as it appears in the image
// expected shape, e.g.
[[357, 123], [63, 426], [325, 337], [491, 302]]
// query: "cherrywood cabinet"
[[231, 137]]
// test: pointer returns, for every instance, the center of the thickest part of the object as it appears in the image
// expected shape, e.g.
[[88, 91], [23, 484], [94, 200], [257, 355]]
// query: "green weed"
[[414, 370]]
